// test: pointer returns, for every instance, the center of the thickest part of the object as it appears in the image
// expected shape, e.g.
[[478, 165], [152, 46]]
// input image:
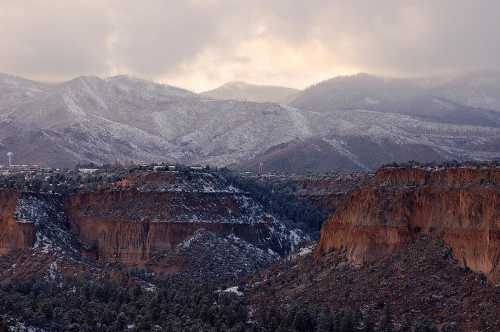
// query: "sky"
[[200, 44]]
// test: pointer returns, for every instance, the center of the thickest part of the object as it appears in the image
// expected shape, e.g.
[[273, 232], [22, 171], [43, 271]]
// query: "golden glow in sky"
[[201, 44]]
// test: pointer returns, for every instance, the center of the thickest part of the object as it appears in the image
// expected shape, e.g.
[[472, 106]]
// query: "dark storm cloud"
[[200, 43]]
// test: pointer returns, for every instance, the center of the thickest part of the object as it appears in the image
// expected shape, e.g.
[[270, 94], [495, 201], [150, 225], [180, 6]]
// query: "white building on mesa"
[[88, 170]]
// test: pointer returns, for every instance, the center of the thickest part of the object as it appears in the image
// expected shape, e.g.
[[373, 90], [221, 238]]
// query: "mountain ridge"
[[479, 89], [239, 90], [94, 120]]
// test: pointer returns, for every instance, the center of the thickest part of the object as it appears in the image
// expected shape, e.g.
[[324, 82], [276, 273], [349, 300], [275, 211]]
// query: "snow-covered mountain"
[[476, 89], [361, 91], [479, 90], [252, 92], [364, 139], [89, 119]]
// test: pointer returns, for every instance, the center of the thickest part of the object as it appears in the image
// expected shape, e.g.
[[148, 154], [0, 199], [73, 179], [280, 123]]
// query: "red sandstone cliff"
[[13, 234], [131, 227], [141, 217], [458, 205]]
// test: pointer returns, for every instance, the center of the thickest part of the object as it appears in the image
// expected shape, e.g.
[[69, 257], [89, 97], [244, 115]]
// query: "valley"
[[249, 166], [144, 219], [331, 249]]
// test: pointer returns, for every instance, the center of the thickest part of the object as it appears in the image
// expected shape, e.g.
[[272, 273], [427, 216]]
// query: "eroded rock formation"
[[457, 205], [140, 219], [131, 226], [14, 234]]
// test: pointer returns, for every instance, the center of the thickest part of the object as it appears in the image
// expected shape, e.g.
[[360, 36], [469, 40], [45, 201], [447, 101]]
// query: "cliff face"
[[456, 205], [147, 219], [147, 215], [14, 234], [454, 177], [131, 227], [34, 221]]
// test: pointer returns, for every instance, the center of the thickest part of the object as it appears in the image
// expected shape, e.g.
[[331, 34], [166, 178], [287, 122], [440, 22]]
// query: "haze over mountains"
[[352, 122], [252, 92], [475, 89]]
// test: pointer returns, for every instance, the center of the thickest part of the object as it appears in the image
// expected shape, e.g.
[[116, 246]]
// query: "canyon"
[[145, 220], [422, 240]]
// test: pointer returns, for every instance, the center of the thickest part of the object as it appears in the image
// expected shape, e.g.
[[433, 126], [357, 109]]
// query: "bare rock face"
[[34, 221], [14, 234], [131, 227], [457, 205], [144, 220]]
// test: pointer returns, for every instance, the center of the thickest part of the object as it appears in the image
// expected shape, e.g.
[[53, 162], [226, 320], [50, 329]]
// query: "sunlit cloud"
[[199, 44]]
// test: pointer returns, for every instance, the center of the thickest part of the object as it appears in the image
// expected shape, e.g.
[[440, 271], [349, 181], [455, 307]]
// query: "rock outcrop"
[[143, 220], [458, 205], [14, 234], [131, 227], [34, 221]]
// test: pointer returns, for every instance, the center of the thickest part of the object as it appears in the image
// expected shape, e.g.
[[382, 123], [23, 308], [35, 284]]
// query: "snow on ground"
[[187, 243], [53, 271], [232, 290], [199, 182], [123, 118], [46, 214], [150, 288], [30, 209], [16, 326], [304, 251]]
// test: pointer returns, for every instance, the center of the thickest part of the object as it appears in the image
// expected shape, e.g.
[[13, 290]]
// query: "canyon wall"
[[458, 205], [139, 218], [14, 234], [132, 227]]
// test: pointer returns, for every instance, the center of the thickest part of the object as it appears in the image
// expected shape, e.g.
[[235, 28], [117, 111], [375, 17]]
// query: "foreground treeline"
[[175, 305], [104, 305]]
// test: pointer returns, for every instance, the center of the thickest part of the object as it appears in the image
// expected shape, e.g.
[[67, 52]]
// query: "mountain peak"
[[237, 84], [126, 77]]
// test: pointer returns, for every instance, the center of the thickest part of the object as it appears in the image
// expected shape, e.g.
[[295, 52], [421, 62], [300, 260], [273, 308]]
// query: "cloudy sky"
[[199, 44]]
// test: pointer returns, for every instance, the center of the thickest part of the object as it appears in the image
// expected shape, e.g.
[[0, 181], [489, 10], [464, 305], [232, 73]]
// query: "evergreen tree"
[[3, 326], [324, 321], [386, 325]]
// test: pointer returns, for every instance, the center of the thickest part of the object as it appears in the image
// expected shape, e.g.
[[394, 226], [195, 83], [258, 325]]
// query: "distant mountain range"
[[352, 122], [363, 91], [251, 92]]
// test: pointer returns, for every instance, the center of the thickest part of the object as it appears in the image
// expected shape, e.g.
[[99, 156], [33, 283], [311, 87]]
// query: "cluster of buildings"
[[14, 169]]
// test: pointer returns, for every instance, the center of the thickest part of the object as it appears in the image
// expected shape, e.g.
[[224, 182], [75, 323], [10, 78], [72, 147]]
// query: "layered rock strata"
[[460, 206]]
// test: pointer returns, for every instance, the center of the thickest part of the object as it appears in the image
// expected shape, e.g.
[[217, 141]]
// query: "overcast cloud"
[[199, 44]]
